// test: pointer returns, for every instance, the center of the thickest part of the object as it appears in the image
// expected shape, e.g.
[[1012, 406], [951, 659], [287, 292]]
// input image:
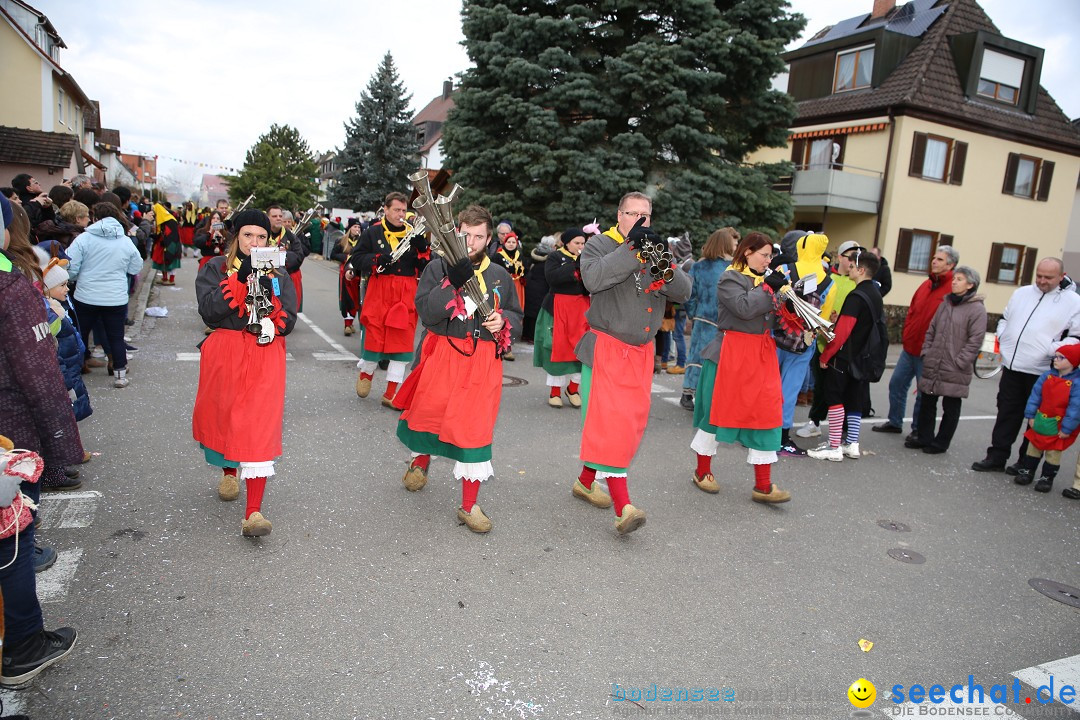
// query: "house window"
[[1028, 177], [1011, 264], [853, 69], [818, 153], [1001, 77], [60, 106], [938, 158], [916, 247]]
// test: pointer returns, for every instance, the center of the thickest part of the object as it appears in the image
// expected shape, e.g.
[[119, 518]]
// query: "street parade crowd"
[[757, 328]]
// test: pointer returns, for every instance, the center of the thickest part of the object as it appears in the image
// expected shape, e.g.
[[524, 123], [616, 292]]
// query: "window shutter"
[[1031, 259], [1045, 176], [956, 177], [918, 154], [1010, 175], [798, 151], [903, 252], [995, 262]]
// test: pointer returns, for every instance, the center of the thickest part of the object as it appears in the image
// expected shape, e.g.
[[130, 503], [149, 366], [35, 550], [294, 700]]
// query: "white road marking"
[[1065, 671], [79, 514], [334, 356], [74, 495], [329, 340], [12, 703], [52, 584]]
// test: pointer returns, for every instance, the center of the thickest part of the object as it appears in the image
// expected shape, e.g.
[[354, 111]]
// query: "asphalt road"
[[368, 601]]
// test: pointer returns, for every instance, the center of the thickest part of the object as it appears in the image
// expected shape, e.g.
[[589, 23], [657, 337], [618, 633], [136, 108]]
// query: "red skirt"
[[568, 326], [298, 282], [620, 394], [389, 314], [455, 397], [240, 403], [519, 285], [187, 234], [348, 292], [747, 391]]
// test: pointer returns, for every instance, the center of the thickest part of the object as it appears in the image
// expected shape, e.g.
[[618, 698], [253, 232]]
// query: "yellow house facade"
[[903, 143]]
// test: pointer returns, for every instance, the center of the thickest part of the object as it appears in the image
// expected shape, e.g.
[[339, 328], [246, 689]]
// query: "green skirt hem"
[[427, 443]]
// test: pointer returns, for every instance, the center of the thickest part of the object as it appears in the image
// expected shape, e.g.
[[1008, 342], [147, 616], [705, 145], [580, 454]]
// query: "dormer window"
[[854, 69], [1001, 77]]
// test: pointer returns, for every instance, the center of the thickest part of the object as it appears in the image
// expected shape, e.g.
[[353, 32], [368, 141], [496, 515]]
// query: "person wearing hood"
[[536, 286], [789, 252], [240, 404], [794, 340], [102, 257], [1053, 419], [952, 343], [561, 322], [167, 248]]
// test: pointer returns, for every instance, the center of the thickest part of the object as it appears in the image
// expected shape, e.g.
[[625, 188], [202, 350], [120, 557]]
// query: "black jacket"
[[563, 276], [373, 243]]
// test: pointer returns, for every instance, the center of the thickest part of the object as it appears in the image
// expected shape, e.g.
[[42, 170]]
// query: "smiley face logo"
[[862, 693]]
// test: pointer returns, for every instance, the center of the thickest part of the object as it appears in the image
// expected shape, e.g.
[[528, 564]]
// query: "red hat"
[[1070, 353]]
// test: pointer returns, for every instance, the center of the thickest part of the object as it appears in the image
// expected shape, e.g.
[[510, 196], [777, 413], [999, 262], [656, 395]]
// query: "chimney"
[[882, 8], [447, 89]]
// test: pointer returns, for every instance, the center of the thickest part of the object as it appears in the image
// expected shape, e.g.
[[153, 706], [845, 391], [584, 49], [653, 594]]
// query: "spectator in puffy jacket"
[[101, 260], [69, 345], [536, 286]]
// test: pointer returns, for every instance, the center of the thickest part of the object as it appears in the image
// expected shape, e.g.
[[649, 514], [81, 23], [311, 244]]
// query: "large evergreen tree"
[[572, 103], [279, 169], [380, 143]]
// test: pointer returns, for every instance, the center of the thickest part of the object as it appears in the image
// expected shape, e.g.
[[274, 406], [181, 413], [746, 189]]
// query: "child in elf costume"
[[1053, 418]]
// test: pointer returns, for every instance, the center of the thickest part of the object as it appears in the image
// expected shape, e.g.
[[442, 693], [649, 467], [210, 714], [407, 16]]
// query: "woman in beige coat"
[[952, 343]]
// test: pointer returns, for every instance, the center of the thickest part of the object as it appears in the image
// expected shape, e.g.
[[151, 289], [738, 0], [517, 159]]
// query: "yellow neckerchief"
[[614, 234], [235, 264], [161, 215], [351, 241], [513, 261], [567, 253], [392, 237], [480, 273], [758, 279], [277, 241]]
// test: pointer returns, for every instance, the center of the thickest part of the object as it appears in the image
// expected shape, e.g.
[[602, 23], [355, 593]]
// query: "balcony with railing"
[[833, 186]]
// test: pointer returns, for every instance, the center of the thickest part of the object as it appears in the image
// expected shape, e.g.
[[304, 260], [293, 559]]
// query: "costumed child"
[[240, 403], [1053, 418]]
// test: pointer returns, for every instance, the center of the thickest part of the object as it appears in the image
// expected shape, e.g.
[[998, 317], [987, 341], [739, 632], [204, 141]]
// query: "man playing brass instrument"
[[617, 354], [282, 237], [388, 314], [451, 399]]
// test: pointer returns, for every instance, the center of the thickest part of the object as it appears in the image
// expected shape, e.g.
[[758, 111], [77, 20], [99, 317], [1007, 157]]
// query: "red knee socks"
[[620, 494], [572, 388], [763, 478], [348, 322], [587, 477], [255, 489], [367, 376], [469, 490], [391, 389], [704, 465], [421, 461], [556, 391], [231, 472]]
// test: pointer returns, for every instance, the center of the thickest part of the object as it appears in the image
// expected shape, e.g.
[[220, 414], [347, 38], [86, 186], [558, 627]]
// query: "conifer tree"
[[572, 103], [279, 169], [380, 143]]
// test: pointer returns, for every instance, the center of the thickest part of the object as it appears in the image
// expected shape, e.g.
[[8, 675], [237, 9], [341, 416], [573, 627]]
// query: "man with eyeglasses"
[[1038, 320], [617, 354]]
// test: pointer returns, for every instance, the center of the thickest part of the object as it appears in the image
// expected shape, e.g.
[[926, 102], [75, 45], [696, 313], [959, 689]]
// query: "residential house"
[[922, 125], [39, 97], [328, 170], [143, 168], [1072, 240], [211, 189], [428, 123]]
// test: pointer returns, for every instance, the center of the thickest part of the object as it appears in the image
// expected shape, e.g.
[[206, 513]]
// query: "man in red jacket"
[[924, 303]]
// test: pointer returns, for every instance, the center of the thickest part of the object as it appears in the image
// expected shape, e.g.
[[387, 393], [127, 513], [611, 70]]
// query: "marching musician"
[[348, 289], [241, 397], [561, 322], [295, 252], [166, 251], [451, 400], [626, 310], [388, 314], [516, 262], [738, 395]]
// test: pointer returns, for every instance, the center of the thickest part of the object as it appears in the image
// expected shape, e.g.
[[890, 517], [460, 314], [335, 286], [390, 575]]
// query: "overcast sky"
[[201, 80]]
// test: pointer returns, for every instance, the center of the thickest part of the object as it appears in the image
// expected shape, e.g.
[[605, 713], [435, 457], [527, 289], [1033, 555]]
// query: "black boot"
[[1046, 481], [687, 401], [24, 660], [1024, 476]]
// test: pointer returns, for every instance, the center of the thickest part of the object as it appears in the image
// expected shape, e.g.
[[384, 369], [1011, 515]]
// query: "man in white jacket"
[[1038, 320]]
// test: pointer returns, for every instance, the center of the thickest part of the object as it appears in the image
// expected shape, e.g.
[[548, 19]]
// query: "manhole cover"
[[894, 526], [511, 381], [1056, 591], [906, 556]]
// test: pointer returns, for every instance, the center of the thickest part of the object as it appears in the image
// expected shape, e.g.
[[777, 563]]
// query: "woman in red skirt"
[[561, 322], [241, 398]]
